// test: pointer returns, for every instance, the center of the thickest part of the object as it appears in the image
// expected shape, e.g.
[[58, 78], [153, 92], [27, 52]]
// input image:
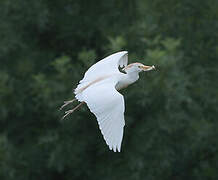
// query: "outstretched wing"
[[106, 66], [108, 106], [102, 69]]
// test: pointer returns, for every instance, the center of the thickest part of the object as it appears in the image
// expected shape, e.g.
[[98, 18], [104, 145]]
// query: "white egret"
[[99, 90]]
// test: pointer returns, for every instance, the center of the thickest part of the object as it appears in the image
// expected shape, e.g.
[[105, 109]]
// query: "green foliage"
[[116, 44], [87, 57], [171, 113]]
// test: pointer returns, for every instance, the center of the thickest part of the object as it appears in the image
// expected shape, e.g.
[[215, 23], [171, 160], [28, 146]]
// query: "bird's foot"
[[72, 110], [67, 113], [66, 103]]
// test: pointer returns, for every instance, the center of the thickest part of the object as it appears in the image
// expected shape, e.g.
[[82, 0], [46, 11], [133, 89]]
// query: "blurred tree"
[[171, 114]]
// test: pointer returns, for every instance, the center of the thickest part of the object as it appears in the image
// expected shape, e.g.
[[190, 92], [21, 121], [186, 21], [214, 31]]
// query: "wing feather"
[[107, 104], [106, 66], [103, 69]]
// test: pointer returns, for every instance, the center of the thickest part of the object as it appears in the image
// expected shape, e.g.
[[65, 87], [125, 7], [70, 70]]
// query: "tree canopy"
[[171, 114]]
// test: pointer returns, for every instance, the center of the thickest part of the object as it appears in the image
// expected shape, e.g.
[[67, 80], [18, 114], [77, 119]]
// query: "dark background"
[[171, 130]]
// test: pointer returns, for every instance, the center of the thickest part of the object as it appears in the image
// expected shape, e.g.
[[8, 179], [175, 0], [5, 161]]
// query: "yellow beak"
[[147, 68]]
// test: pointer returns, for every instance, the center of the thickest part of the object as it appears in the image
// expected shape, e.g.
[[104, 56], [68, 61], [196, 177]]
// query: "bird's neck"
[[127, 79], [132, 76]]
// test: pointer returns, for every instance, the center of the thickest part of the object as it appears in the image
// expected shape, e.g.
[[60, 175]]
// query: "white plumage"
[[106, 66], [107, 104], [99, 90]]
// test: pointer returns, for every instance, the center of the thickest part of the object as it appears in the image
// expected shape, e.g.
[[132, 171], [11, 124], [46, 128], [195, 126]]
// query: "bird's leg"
[[66, 103], [72, 110]]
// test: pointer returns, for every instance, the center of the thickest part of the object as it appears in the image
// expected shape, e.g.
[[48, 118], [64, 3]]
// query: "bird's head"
[[137, 67]]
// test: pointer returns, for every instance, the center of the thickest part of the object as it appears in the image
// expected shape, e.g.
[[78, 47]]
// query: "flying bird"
[[99, 89]]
